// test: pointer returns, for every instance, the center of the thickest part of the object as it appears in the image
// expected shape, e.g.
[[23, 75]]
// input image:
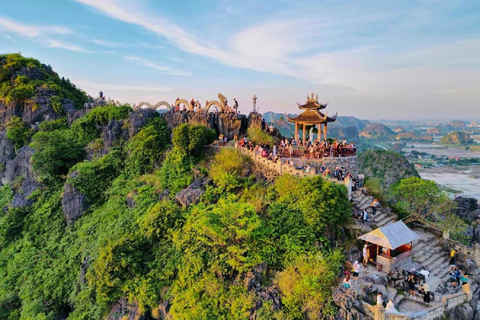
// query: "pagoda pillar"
[[320, 132], [325, 131], [304, 133], [296, 131]]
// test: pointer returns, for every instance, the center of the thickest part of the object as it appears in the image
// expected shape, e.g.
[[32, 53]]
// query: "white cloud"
[[155, 66], [30, 31], [43, 35], [52, 43], [362, 54]]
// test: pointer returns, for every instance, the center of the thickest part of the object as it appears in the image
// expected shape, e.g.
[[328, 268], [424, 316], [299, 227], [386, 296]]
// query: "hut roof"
[[391, 236]]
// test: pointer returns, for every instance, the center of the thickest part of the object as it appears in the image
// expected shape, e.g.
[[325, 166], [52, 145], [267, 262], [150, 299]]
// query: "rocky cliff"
[[387, 166], [377, 131]]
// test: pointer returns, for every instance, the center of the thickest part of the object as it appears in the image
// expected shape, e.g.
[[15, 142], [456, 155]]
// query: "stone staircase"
[[383, 216], [429, 253]]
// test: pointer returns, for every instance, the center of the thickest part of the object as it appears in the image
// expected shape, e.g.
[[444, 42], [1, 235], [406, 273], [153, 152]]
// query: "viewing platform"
[[305, 167]]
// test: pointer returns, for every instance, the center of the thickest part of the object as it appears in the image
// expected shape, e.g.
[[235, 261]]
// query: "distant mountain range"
[[347, 127]]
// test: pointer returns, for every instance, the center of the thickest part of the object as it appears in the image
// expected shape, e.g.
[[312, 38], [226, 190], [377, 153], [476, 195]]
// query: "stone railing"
[[448, 303], [281, 166]]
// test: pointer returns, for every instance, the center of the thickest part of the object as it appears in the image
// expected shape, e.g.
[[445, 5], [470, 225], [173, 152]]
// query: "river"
[[464, 179]]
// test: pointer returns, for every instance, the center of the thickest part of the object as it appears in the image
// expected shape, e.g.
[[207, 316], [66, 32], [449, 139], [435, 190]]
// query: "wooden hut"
[[390, 246]]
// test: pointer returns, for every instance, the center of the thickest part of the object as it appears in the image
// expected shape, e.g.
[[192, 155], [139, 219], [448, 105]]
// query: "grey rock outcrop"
[[74, 203], [124, 310], [467, 208], [253, 282], [138, 118], [349, 306], [21, 198], [20, 166], [189, 196], [7, 152], [112, 133], [227, 124]]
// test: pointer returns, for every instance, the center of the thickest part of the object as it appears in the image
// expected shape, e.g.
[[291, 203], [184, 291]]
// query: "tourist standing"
[[453, 257], [373, 205], [235, 105], [365, 216], [356, 269], [411, 285], [423, 289], [361, 177], [274, 151], [379, 299], [365, 255]]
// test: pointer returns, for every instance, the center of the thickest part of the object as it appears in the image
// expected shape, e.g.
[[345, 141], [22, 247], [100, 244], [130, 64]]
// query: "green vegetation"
[[423, 200], [129, 244], [18, 132], [386, 166], [258, 136], [147, 147], [86, 129], [55, 153], [21, 77]]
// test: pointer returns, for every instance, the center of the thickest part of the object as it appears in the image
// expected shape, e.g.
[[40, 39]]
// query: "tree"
[[192, 139], [18, 132], [228, 169], [258, 136], [55, 153], [147, 147], [421, 198], [307, 284]]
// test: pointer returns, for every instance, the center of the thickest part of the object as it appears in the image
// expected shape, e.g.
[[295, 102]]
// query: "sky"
[[368, 59]]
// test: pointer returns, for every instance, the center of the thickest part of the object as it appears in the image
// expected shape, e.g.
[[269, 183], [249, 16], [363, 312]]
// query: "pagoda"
[[312, 116]]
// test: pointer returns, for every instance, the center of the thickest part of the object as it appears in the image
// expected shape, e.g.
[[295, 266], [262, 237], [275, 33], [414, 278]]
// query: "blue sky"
[[369, 59]]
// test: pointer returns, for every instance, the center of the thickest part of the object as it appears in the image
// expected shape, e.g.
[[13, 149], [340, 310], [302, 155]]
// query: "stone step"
[[363, 206], [428, 252], [391, 293], [428, 258], [419, 247], [398, 299], [439, 265], [386, 220], [430, 261], [379, 217]]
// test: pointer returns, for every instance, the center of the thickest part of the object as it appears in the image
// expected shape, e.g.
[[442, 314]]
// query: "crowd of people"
[[316, 149], [276, 154]]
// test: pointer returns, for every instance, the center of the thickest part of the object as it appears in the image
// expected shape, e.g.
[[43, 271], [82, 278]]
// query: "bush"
[[94, 177], [147, 147], [18, 132], [85, 129], [258, 136], [52, 125], [228, 169], [192, 139], [307, 283], [55, 153]]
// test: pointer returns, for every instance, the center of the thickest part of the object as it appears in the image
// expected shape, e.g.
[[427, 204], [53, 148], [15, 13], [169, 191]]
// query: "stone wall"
[[271, 169], [449, 302]]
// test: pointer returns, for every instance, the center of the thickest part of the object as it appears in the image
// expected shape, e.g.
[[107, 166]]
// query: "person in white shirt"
[[356, 269], [379, 299], [365, 255]]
